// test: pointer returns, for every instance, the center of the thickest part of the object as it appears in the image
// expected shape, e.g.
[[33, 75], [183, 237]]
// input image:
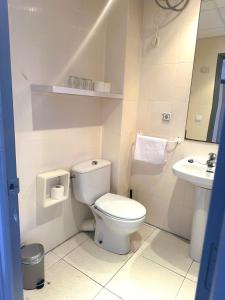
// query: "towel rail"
[[177, 140]]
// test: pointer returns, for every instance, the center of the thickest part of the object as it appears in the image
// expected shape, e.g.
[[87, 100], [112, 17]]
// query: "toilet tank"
[[91, 180]]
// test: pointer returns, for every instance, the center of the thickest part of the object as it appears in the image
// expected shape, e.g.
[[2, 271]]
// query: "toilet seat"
[[120, 207]]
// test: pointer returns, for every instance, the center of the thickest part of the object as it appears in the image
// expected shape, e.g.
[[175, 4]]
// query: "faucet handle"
[[212, 156]]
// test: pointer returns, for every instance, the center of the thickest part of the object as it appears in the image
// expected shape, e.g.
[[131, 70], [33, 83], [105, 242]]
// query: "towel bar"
[[177, 141]]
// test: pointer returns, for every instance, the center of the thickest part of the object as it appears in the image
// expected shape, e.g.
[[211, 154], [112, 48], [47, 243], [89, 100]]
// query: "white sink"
[[194, 170]]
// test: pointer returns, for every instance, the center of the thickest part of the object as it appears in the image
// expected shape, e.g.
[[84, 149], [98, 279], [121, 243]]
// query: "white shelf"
[[47, 180], [50, 202], [71, 91]]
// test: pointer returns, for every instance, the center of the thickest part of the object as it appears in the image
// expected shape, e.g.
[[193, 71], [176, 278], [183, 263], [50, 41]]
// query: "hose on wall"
[[178, 7]]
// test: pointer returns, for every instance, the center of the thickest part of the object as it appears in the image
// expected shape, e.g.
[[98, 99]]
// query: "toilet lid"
[[120, 207]]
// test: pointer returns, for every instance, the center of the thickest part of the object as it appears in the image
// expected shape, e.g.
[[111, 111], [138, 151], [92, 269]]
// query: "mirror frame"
[[220, 59], [217, 82]]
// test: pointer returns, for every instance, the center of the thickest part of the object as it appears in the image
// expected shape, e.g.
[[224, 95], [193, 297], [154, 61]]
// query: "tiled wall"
[[131, 93], [115, 64], [165, 86], [49, 41], [119, 118]]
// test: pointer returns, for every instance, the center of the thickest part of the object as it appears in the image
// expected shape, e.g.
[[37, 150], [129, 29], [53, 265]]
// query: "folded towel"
[[150, 149]]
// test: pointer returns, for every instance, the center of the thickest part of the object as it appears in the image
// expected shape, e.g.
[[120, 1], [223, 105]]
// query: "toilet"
[[116, 217]]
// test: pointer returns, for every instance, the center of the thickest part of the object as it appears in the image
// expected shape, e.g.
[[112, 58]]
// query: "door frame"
[[219, 65], [211, 275], [10, 262]]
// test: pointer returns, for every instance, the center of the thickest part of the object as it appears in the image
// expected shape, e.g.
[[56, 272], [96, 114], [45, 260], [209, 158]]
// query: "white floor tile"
[[187, 291], [63, 249], [169, 251], [65, 283], [143, 279], [145, 231], [193, 272], [97, 263], [139, 237], [106, 295], [50, 259]]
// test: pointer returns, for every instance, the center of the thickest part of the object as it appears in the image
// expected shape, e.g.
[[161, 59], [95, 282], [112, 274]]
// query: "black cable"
[[160, 5], [174, 7]]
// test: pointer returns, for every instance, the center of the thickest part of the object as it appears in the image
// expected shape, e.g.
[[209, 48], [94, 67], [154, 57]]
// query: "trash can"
[[32, 257]]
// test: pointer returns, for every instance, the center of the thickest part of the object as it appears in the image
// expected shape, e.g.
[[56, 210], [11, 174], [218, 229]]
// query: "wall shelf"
[[45, 181], [71, 91]]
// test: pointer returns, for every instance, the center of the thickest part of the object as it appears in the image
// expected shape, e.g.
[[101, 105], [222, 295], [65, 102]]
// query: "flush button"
[[94, 162]]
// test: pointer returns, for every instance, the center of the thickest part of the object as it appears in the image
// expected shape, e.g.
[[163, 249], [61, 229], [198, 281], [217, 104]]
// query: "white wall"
[[119, 118], [54, 131], [114, 72], [165, 87]]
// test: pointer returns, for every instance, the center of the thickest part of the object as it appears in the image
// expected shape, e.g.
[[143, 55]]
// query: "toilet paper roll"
[[57, 192]]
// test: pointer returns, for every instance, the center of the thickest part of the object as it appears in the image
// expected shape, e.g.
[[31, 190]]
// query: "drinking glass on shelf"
[[71, 81], [80, 83]]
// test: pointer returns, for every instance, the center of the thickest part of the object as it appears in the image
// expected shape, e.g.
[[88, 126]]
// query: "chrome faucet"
[[211, 162]]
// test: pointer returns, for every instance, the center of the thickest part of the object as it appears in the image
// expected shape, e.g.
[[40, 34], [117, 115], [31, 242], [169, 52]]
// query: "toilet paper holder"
[[47, 181]]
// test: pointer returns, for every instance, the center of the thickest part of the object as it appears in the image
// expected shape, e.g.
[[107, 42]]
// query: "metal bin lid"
[[32, 253]]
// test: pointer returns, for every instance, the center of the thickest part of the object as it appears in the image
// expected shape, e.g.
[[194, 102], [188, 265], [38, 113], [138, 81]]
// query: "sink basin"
[[194, 172]]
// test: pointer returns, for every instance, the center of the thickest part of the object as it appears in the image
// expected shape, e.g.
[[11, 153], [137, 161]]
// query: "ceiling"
[[212, 18]]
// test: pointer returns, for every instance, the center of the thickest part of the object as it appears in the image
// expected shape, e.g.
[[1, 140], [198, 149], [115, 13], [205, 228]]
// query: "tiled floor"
[[158, 268]]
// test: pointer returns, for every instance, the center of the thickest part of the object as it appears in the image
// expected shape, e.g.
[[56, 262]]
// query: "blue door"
[[10, 267], [211, 283]]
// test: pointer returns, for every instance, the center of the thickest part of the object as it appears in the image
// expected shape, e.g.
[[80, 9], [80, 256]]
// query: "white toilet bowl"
[[113, 234], [116, 217]]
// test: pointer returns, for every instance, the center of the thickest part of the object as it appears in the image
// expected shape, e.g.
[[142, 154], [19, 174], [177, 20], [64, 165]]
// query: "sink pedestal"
[[201, 208]]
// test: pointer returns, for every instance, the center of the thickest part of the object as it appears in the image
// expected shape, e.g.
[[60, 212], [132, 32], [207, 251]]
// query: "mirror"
[[207, 96]]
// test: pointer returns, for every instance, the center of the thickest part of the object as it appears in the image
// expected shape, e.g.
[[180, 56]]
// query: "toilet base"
[[113, 234], [112, 242]]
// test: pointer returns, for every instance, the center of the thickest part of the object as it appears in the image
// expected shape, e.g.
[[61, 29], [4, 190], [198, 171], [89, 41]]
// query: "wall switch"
[[166, 116]]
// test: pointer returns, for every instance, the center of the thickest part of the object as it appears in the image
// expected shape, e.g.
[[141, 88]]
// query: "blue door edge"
[[218, 286], [209, 271], [10, 264]]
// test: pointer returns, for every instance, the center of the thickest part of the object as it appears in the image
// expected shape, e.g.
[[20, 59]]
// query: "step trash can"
[[32, 257]]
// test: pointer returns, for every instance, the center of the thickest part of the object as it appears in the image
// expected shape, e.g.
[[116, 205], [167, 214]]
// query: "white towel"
[[150, 149]]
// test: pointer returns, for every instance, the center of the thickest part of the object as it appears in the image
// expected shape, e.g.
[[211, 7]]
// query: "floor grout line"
[[134, 253], [107, 291], [189, 268], [72, 249], [119, 270], [98, 293], [83, 273], [72, 236], [179, 289], [174, 234], [47, 268], [195, 281], [113, 293], [164, 267]]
